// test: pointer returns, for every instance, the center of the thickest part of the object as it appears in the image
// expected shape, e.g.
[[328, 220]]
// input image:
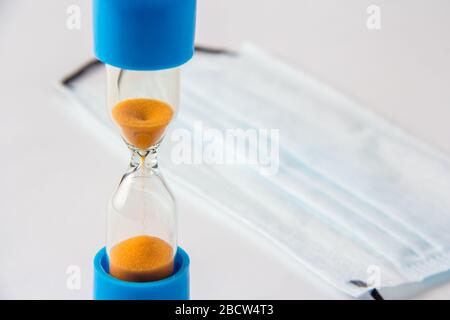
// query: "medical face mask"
[[355, 199]]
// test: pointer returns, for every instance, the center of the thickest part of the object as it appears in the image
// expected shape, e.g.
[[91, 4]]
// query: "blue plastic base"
[[175, 287]]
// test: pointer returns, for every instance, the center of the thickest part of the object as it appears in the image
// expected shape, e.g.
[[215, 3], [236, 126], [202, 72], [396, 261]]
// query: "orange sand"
[[140, 259], [143, 121]]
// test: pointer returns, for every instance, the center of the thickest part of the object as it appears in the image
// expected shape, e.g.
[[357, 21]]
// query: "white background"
[[56, 178]]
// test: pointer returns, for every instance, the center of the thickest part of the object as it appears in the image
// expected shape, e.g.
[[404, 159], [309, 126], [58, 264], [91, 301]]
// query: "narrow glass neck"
[[145, 159]]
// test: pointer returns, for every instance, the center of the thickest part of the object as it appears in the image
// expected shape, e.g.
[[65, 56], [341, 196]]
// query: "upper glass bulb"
[[142, 104]]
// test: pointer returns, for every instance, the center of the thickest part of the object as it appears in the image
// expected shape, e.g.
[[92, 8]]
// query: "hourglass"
[[142, 43], [141, 235]]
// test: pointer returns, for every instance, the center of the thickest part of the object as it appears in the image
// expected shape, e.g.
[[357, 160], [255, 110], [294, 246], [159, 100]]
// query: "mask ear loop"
[[94, 62], [374, 293]]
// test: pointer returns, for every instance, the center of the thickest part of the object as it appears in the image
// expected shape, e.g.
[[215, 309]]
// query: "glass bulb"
[[142, 104], [142, 237]]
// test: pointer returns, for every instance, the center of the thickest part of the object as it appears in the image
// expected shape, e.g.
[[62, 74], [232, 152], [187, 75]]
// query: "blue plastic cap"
[[144, 34], [175, 287]]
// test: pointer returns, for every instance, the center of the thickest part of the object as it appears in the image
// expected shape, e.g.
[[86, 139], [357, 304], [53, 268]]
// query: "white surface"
[[56, 178]]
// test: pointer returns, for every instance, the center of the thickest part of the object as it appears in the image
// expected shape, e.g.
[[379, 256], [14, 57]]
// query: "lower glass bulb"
[[141, 237]]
